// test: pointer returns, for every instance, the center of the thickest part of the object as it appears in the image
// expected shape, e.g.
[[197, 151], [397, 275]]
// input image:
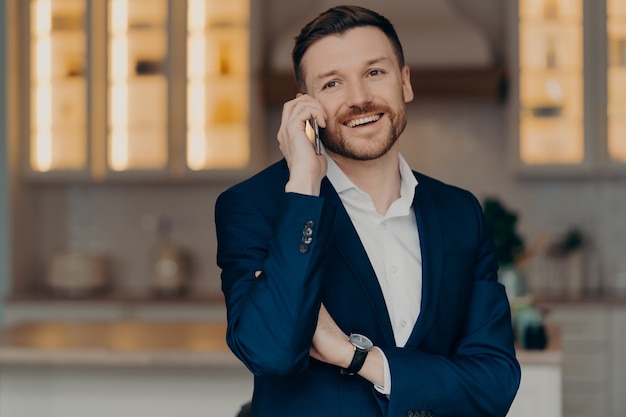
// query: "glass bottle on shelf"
[[170, 263], [58, 85], [218, 84], [137, 85]]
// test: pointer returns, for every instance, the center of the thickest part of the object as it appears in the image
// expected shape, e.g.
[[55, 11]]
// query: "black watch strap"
[[357, 362]]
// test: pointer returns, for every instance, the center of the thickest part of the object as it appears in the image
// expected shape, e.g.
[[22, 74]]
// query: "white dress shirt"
[[393, 247]]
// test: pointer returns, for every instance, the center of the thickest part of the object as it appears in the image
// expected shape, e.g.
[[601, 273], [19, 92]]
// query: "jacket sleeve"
[[482, 375], [272, 317]]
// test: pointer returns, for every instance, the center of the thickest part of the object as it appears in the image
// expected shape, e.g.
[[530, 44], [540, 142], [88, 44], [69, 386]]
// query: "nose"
[[357, 93]]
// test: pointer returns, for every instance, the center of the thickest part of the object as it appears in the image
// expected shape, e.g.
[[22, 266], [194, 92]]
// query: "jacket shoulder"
[[270, 180], [441, 189]]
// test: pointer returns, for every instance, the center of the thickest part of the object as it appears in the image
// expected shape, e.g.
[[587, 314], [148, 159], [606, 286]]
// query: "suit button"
[[411, 413], [307, 236]]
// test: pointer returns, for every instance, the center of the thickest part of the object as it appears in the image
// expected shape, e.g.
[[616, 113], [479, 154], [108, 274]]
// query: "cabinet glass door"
[[58, 101], [551, 82], [218, 84], [616, 107], [137, 85]]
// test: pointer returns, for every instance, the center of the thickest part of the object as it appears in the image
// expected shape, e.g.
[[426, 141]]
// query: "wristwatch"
[[362, 346]]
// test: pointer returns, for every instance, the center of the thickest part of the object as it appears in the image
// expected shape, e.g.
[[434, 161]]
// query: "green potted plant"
[[509, 246]]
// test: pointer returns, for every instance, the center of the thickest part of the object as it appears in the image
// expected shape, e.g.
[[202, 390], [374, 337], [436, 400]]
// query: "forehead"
[[336, 51]]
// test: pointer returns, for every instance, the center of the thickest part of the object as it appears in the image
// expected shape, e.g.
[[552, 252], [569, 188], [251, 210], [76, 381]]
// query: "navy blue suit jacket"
[[460, 358]]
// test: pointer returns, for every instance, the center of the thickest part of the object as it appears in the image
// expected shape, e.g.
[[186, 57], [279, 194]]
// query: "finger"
[[303, 108]]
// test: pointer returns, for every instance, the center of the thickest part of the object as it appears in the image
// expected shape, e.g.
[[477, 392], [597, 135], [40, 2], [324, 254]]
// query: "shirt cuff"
[[385, 389]]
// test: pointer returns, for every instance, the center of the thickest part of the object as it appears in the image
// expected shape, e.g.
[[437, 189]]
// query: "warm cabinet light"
[[616, 106], [118, 109], [196, 109], [58, 87], [137, 85], [43, 85], [551, 82], [217, 84]]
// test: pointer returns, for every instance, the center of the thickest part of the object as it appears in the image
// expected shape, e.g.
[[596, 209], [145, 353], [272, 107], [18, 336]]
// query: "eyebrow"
[[368, 63]]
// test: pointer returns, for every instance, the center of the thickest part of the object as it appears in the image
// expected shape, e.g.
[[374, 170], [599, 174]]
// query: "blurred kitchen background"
[[122, 121]]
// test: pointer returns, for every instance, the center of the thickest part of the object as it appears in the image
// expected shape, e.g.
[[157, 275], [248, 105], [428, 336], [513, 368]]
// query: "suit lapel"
[[432, 261], [351, 250], [348, 245]]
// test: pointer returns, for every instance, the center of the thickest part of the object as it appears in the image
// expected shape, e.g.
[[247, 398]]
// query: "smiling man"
[[354, 285]]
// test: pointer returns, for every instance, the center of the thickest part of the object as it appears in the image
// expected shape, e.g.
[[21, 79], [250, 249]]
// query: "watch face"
[[361, 341]]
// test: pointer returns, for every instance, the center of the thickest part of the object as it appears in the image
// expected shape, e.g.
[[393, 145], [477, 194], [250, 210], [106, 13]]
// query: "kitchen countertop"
[[618, 299], [149, 343], [117, 343]]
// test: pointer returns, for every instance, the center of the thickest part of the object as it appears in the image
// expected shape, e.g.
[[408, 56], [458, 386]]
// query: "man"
[[323, 256]]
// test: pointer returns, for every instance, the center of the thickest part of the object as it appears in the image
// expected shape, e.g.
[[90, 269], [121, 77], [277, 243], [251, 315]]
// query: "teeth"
[[364, 120]]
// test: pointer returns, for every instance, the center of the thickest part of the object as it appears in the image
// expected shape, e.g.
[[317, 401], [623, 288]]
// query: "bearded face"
[[343, 135], [356, 78]]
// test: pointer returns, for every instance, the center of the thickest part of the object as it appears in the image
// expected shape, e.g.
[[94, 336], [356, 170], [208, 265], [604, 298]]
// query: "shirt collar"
[[342, 183]]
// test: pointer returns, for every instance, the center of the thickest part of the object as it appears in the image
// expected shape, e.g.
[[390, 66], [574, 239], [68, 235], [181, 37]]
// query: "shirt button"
[[394, 269], [403, 323], [384, 226]]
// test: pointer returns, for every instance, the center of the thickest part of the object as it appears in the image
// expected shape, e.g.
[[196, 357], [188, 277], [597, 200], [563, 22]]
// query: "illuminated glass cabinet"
[[551, 117], [218, 87], [58, 86], [569, 95], [138, 88]]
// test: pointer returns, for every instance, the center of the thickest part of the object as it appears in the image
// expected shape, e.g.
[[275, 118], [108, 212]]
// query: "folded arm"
[[272, 318]]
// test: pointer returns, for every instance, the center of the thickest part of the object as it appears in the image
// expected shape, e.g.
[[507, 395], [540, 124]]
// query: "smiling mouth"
[[364, 120]]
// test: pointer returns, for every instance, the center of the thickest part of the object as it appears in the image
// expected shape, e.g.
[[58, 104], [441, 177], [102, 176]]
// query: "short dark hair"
[[337, 20]]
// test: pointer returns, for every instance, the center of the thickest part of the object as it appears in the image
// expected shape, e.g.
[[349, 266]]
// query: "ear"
[[407, 88]]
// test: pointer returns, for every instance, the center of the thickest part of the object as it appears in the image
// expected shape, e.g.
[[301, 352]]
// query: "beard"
[[335, 141]]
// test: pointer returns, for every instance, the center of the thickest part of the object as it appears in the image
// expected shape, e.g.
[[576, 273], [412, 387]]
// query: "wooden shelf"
[[489, 83]]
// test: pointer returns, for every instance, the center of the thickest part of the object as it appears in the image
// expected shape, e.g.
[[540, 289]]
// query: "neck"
[[379, 178]]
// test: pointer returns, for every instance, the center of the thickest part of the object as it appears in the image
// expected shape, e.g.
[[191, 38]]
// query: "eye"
[[330, 84], [375, 72]]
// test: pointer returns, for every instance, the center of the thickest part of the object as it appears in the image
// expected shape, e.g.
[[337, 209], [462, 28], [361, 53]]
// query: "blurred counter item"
[[529, 329], [170, 276], [77, 274], [170, 262]]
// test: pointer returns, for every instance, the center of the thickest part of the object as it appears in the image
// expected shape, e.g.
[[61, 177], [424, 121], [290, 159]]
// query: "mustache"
[[356, 111]]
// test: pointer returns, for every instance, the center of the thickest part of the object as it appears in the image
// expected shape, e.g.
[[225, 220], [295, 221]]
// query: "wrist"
[[362, 345], [302, 187], [303, 182]]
